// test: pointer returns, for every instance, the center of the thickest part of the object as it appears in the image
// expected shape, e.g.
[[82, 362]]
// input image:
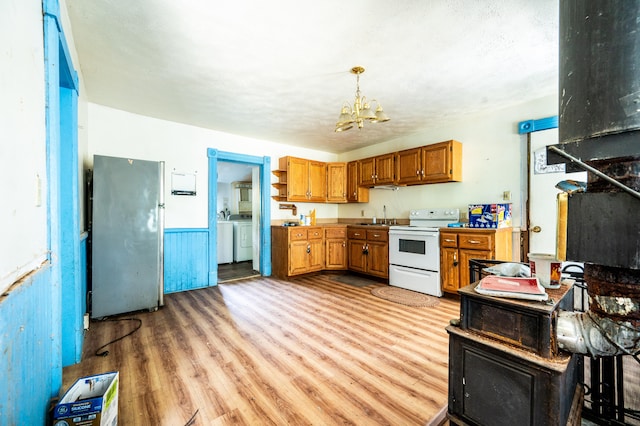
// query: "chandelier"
[[361, 109]]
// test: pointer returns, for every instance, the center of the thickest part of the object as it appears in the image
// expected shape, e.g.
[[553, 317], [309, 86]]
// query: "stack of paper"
[[513, 287]]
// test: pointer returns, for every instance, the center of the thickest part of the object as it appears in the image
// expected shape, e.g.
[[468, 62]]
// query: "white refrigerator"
[[127, 234]]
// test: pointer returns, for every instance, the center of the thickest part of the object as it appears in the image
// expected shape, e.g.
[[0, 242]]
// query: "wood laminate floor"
[[262, 351], [235, 271]]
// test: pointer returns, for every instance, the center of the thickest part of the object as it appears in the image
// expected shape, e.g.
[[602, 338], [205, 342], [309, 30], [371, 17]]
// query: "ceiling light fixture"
[[361, 110]]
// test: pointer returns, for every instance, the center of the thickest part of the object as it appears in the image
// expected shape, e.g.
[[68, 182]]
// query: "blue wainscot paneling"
[[186, 259], [26, 350]]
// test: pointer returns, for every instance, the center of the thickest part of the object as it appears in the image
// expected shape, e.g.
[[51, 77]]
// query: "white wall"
[[184, 149], [23, 185], [491, 163]]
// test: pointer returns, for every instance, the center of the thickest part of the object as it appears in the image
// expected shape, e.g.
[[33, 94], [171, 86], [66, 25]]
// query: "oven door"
[[415, 249]]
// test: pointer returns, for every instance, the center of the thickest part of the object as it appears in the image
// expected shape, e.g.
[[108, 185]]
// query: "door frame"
[[264, 166], [61, 98], [526, 128]]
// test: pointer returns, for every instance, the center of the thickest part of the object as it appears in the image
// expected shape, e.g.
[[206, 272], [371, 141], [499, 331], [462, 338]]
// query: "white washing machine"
[[225, 242], [242, 237]]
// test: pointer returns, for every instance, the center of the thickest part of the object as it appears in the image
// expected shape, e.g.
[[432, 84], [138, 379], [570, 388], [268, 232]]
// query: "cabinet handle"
[[418, 172], [474, 241], [357, 234], [308, 248], [422, 172], [376, 235], [455, 259], [447, 240]]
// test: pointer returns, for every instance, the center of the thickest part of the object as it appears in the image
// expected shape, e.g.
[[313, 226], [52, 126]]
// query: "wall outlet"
[[361, 213], [506, 195], [86, 321]]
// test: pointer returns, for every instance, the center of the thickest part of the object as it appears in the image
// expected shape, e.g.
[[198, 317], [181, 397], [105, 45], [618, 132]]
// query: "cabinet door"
[[297, 179], [409, 166], [449, 269], [299, 252], [367, 170], [316, 256], [442, 162], [336, 182], [317, 181], [385, 169], [357, 259], [355, 193], [378, 259], [335, 254], [436, 162], [465, 256]]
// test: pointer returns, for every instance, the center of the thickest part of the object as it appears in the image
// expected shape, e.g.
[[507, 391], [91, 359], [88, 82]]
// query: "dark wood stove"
[[505, 367]]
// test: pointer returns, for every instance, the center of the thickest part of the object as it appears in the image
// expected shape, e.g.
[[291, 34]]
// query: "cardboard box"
[[489, 215], [91, 401]]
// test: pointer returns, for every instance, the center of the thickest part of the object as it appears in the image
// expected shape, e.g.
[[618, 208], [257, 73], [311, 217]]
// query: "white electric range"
[[414, 250]]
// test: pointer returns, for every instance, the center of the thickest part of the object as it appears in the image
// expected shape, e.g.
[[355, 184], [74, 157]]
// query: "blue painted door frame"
[[264, 165], [61, 99]]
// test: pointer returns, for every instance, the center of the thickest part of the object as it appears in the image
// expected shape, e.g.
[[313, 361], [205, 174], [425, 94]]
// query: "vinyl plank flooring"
[[309, 351]]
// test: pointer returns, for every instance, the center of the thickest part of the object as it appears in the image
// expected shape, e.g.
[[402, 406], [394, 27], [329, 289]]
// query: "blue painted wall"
[[26, 350], [186, 259]]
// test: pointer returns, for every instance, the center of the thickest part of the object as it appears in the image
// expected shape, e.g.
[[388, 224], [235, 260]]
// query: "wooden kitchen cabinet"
[[435, 163], [335, 247], [336, 182], [379, 170], [355, 192], [296, 250], [369, 250], [306, 180], [459, 245]]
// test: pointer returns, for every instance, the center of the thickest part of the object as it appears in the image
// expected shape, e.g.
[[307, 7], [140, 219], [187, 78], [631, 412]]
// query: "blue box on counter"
[[489, 215]]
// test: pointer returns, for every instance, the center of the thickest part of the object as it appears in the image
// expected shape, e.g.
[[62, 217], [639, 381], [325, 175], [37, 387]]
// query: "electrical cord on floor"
[[105, 353], [192, 419]]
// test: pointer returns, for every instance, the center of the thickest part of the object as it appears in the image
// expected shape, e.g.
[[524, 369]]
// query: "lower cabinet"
[[335, 248], [368, 251], [459, 245], [296, 250]]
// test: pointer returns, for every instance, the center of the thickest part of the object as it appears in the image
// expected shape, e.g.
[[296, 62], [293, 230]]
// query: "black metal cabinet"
[[491, 383]]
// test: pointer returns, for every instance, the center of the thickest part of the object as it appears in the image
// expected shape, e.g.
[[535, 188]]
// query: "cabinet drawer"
[[314, 233], [448, 239], [335, 233], [376, 235], [298, 234], [475, 241], [357, 234]]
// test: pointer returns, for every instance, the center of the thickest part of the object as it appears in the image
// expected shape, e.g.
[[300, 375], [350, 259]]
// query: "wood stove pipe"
[[611, 326], [599, 123]]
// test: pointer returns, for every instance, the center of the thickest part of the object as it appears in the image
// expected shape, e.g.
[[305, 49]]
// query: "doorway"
[[237, 229], [239, 216]]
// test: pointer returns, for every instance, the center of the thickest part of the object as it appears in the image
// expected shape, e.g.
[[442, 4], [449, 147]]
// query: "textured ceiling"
[[280, 70]]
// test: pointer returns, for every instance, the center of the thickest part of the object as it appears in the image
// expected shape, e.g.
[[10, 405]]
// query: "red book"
[[516, 285]]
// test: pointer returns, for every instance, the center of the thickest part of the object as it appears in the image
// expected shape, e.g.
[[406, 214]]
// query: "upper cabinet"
[[379, 170], [355, 192], [312, 181], [301, 180], [436, 163]]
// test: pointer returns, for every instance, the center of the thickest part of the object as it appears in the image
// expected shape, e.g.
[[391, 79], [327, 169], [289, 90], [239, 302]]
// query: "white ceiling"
[[280, 70]]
